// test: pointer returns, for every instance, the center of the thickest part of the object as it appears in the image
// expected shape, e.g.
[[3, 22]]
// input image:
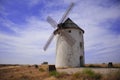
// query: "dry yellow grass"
[[22, 73], [28, 72], [104, 65]]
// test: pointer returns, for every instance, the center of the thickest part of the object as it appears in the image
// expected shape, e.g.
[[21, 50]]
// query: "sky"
[[24, 29]]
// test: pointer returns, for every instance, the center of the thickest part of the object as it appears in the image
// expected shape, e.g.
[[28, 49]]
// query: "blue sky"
[[24, 29]]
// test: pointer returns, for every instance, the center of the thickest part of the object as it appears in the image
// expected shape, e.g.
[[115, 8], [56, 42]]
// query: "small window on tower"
[[69, 31], [80, 44], [80, 32]]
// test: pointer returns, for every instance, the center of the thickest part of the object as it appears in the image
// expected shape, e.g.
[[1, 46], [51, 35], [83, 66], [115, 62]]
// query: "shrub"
[[77, 75], [88, 73], [41, 69], [54, 73], [60, 75], [94, 66], [91, 65]]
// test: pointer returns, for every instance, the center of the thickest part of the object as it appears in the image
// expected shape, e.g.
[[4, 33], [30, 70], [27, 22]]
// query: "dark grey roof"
[[70, 24]]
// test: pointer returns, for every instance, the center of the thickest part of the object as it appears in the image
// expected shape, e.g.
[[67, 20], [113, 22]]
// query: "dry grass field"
[[35, 72]]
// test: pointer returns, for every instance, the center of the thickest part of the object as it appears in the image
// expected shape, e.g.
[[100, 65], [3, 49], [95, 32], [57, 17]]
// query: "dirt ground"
[[32, 72], [97, 70]]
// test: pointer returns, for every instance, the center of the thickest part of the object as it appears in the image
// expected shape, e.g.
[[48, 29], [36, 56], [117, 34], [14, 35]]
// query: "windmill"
[[69, 48]]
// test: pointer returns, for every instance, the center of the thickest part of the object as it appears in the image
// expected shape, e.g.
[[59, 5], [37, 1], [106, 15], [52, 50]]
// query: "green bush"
[[57, 74], [88, 73], [77, 75], [54, 73]]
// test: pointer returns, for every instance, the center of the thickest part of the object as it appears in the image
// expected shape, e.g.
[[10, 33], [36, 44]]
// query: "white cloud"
[[29, 40], [32, 3], [2, 11], [32, 36]]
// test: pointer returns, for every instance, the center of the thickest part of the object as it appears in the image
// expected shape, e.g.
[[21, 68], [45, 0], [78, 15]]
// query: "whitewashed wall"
[[67, 56]]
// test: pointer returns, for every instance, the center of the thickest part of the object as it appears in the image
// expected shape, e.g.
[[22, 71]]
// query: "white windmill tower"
[[70, 42]]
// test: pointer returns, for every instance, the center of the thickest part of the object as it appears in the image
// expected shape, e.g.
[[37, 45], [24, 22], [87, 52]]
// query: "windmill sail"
[[66, 13], [48, 42], [54, 24]]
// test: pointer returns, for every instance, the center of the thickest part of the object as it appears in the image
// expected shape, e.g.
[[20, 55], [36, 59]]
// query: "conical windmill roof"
[[70, 24]]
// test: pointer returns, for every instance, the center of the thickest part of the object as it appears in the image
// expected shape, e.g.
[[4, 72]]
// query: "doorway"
[[81, 61]]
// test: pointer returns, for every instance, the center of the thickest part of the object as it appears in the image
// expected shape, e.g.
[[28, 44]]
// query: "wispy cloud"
[[29, 40], [99, 40], [32, 3], [29, 37]]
